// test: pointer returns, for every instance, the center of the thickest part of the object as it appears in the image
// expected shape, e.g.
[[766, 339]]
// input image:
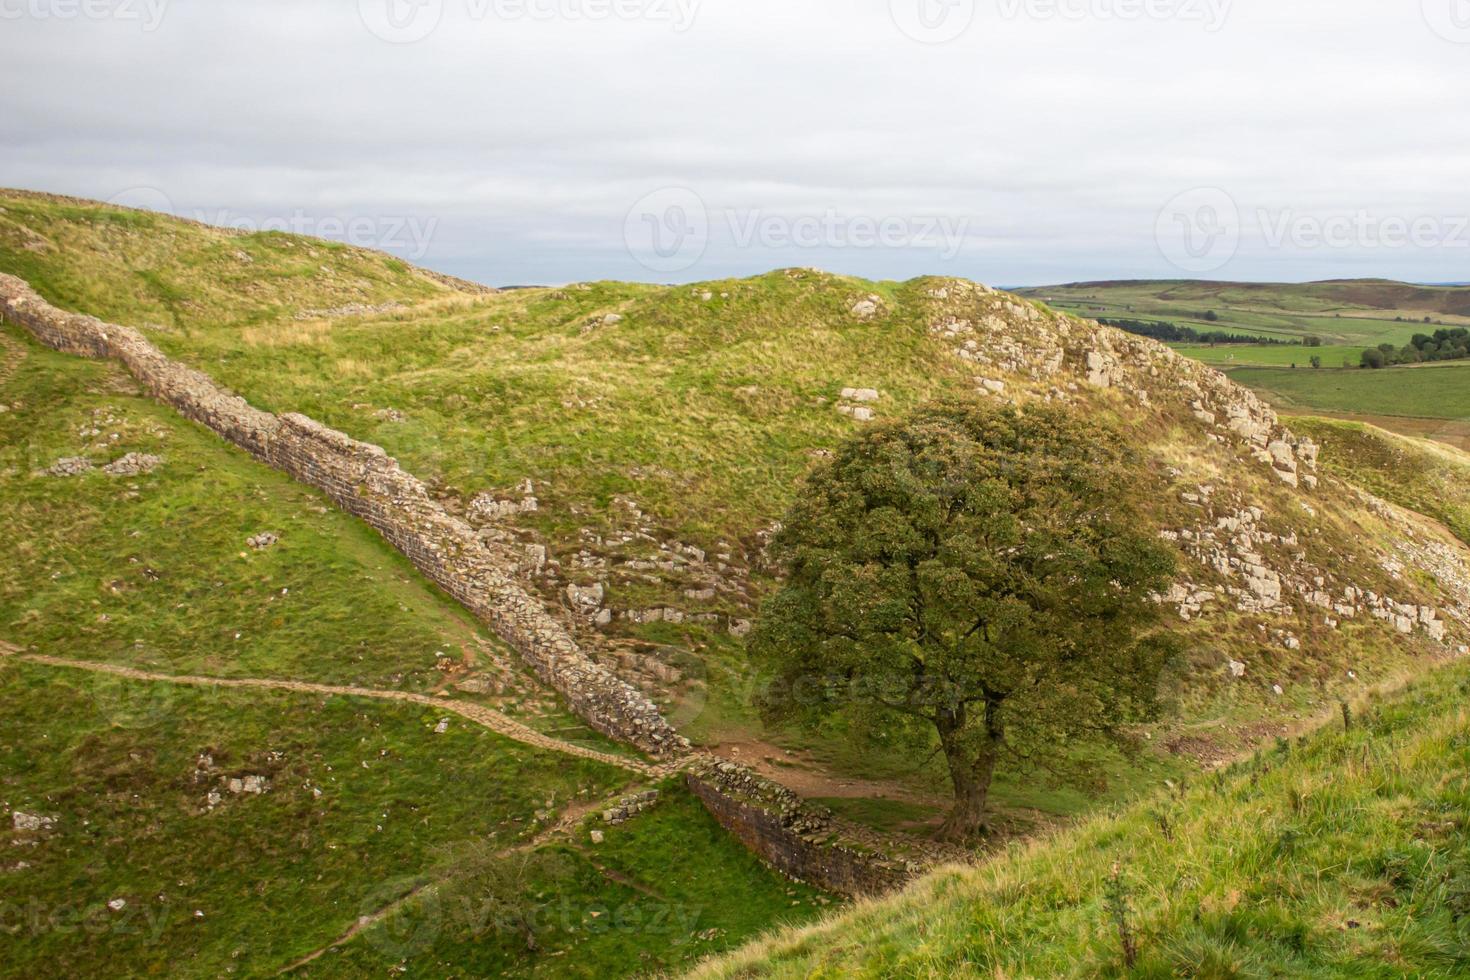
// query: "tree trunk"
[[971, 775]]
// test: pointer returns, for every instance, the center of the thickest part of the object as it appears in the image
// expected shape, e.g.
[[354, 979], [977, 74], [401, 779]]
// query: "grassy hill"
[[147, 269], [637, 444], [661, 431], [132, 843], [1341, 854], [1422, 476]]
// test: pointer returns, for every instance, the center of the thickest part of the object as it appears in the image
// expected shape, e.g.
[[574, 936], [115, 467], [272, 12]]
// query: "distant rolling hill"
[[1339, 317]]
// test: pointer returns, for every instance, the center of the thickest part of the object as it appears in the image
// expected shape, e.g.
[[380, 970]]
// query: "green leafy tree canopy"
[[976, 569]]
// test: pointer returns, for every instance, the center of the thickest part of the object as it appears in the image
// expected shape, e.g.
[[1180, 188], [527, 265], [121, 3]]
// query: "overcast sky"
[[542, 141]]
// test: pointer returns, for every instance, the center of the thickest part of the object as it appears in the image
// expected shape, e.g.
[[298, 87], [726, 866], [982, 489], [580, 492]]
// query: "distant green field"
[[1344, 314], [1270, 355], [1439, 391]]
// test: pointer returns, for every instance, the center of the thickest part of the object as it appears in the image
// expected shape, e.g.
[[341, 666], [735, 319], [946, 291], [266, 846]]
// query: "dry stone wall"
[[790, 835], [369, 484]]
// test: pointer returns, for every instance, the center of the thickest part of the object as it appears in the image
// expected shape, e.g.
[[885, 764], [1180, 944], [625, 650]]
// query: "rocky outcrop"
[[1060, 357], [366, 482]]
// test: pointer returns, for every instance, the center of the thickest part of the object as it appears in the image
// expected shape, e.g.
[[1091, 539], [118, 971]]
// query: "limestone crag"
[[366, 482], [1234, 546], [1061, 356]]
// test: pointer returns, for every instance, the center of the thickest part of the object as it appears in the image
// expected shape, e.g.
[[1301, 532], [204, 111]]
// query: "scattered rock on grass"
[[70, 466], [31, 821], [133, 464]]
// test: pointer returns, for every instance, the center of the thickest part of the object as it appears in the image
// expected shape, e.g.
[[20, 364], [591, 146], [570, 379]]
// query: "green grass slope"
[[154, 570], [358, 798], [1414, 473], [1341, 855], [155, 271], [364, 800], [658, 894]]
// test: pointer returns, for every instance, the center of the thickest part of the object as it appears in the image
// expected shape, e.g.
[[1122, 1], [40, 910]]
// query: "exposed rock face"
[[1058, 353], [487, 508], [366, 482], [629, 807], [586, 599], [70, 466], [856, 403], [31, 822], [133, 464]]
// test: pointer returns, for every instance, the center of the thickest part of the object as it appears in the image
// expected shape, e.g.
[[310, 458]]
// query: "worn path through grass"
[[479, 714]]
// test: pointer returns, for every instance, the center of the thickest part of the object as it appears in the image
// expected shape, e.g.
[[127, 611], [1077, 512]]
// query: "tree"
[[1316, 362], [979, 573], [1374, 358]]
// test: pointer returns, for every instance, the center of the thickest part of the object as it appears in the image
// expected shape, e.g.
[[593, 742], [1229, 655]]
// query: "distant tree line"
[[1172, 333], [1444, 345]]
